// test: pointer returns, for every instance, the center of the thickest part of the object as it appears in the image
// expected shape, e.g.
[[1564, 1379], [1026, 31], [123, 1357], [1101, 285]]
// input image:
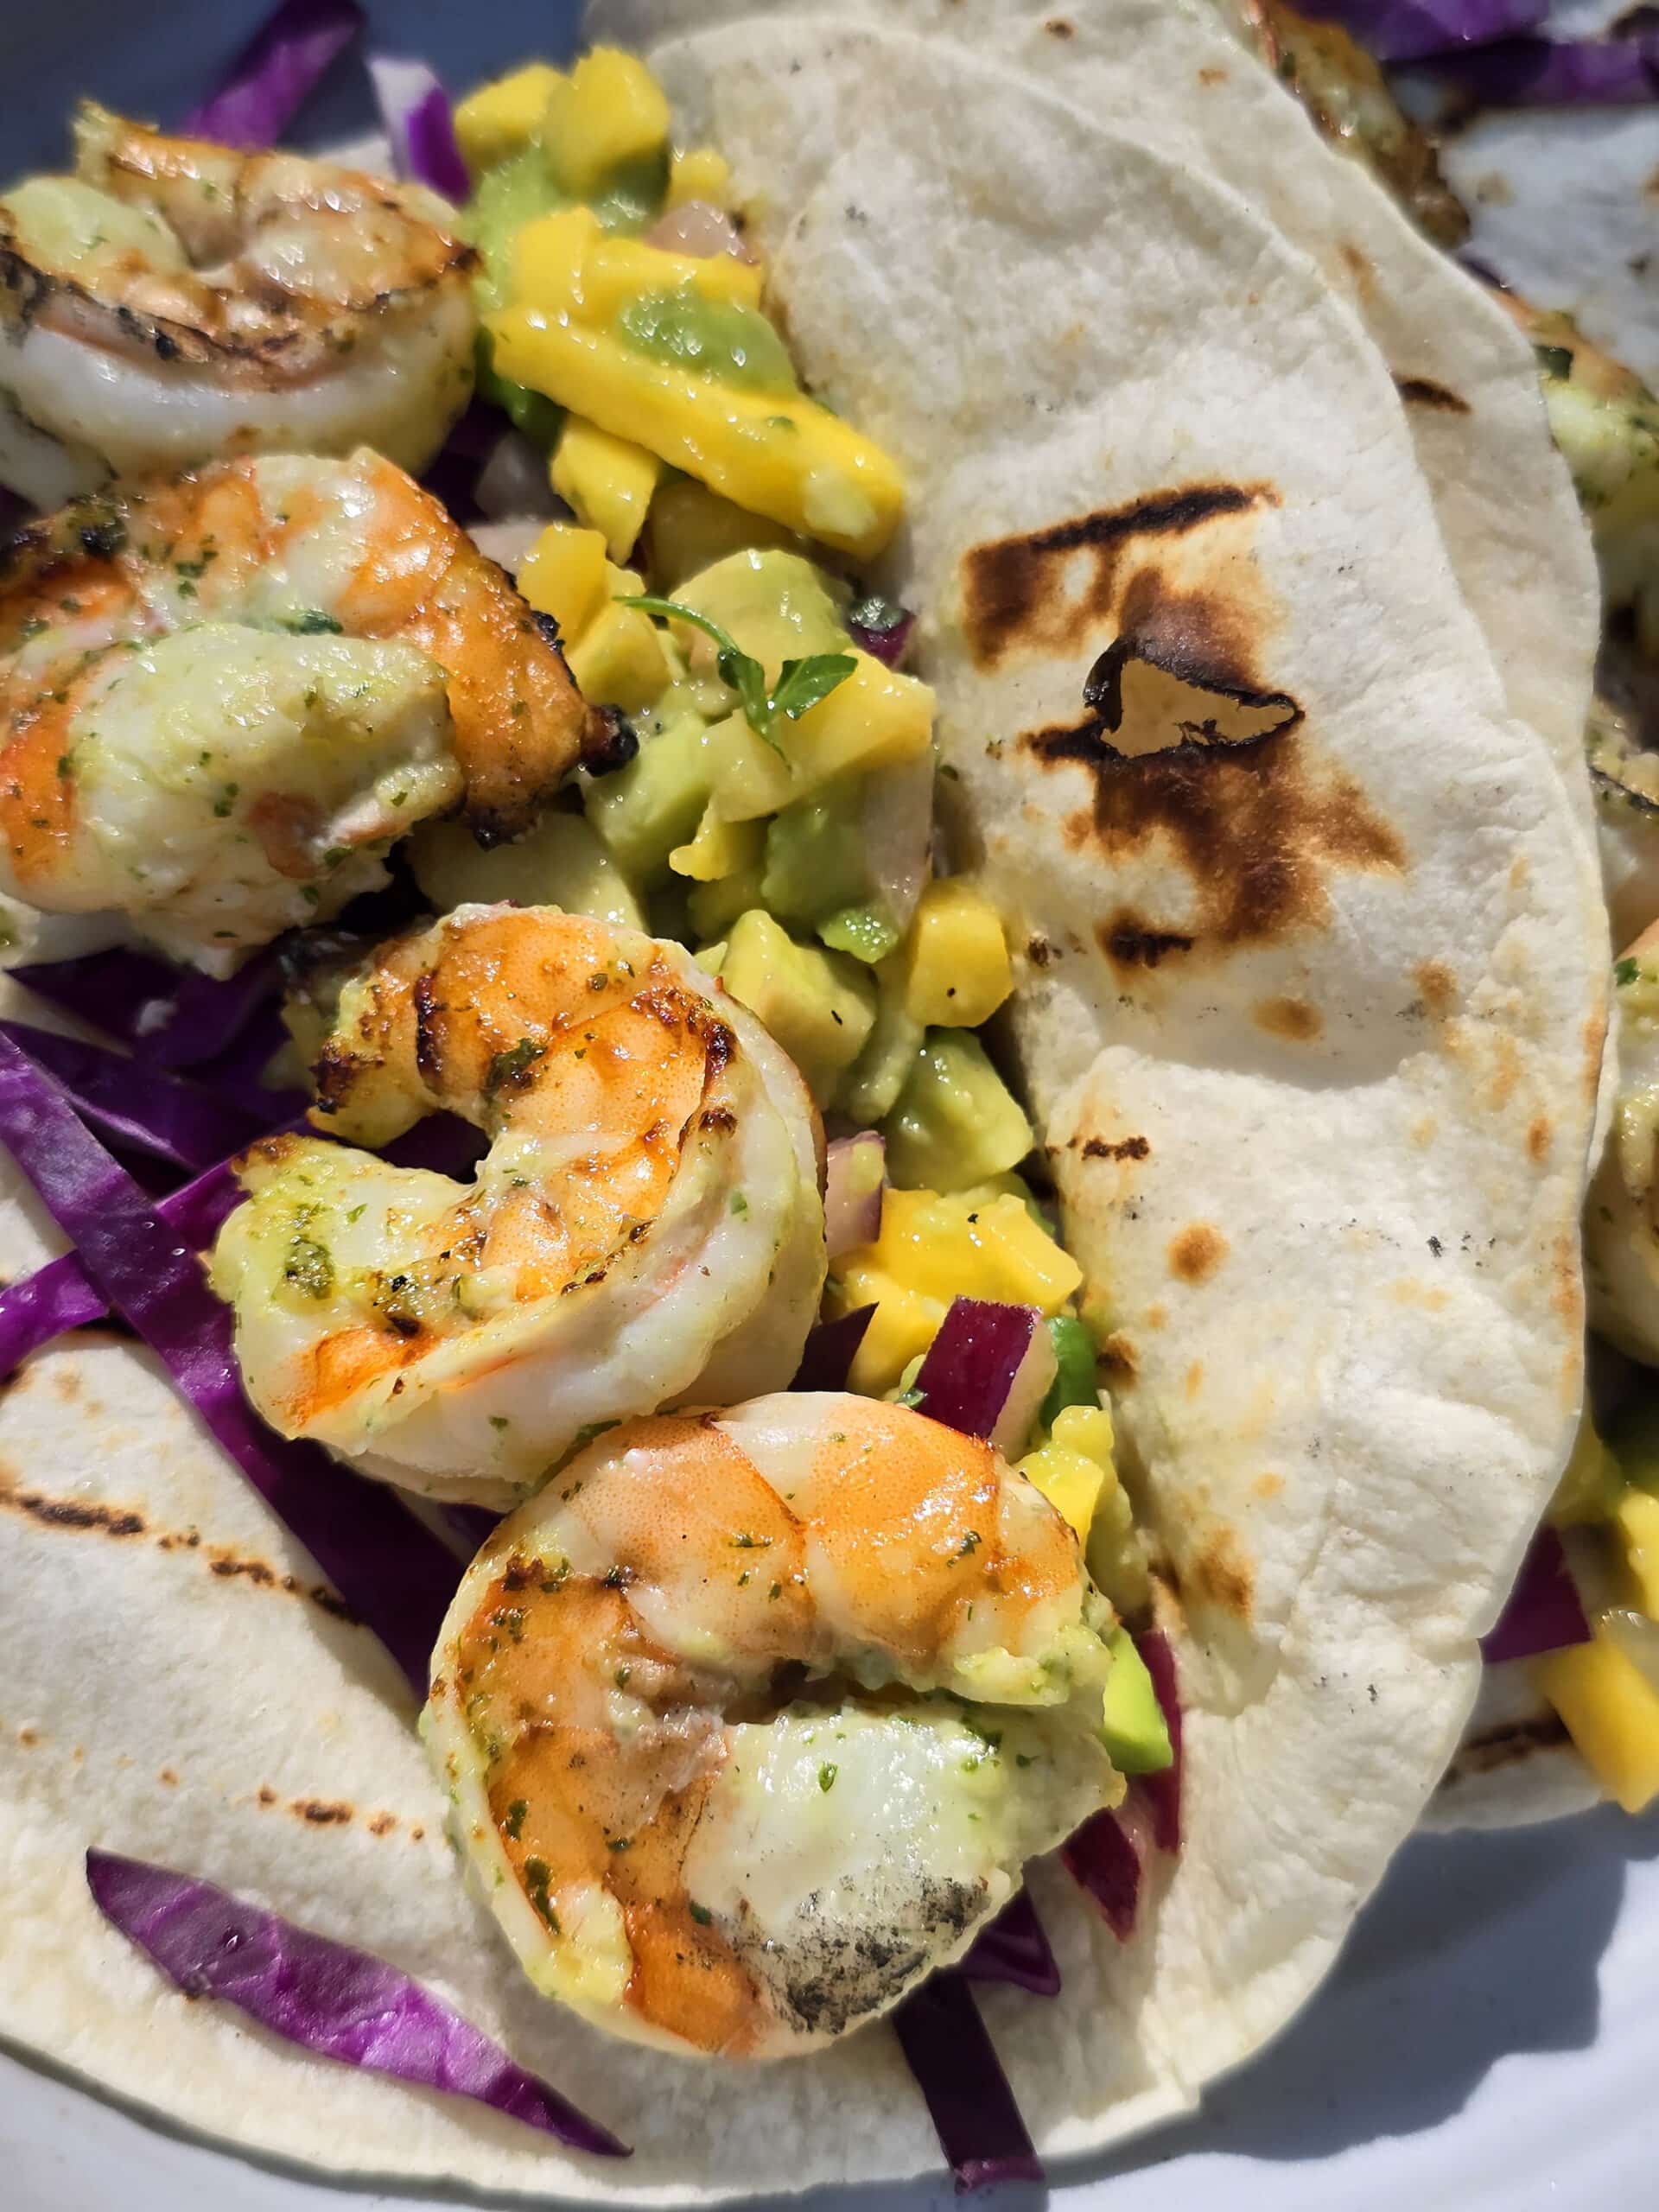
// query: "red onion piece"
[[1106, 1857], [513, 482], [1407, 30], [896, 819], [327, 1997], [856, 1176], [882, 627], [699, 229], [1544, 1612], [830, 1349], [1013, 1947], [987, 1371], [959, 2074], [276, 72], [1549, 73], [1162, 1790], [416, 112]]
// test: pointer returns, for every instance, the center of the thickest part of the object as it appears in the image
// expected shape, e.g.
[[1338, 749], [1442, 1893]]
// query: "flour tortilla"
[[1343, 1431]]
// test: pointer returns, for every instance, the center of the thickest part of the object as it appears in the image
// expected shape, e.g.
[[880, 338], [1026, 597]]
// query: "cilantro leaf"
[[801, 684], [1625, 971]]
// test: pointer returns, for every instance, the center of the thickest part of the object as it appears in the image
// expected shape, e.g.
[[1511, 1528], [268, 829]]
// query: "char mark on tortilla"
[[1423, 391]]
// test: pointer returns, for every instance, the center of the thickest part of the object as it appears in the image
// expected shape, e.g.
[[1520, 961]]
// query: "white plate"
[[1491, 2037]]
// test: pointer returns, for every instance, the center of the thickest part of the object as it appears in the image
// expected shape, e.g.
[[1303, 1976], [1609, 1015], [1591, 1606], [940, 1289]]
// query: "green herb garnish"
[[801, 684], [310, 622], [1625, 971]]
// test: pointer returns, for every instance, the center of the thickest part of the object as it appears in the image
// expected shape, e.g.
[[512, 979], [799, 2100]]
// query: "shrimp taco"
[[950, 1053]]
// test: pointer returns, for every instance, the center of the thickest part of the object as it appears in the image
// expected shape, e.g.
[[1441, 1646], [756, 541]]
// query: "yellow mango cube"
[[1612, 1712], [565, 575], [875, 718], [607, 481], [901, 1328], [1635, 1522], [699, 173], [1087, 1429], [944, 1247], [618, 271], [547, 255], [719, 849], [957, 971], [500, 119], [753, 780], [608, 114], [617, 661], [1069, 1480], [777, 453]]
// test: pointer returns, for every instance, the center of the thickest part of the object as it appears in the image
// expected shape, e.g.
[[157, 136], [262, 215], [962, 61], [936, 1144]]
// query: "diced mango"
[[547, 255], [1612, 1712], [699, 173], [500, 119], [607, 481], [1635, 1522], [943, 1246], [875, 718], [608, 114], [617, 661], [617, 271], [565, 575], [819, 1006], [957, 971], [1087, 1429], [903, 1325], [777, 453], [719, 849], [1069, 1480], [692, 527]]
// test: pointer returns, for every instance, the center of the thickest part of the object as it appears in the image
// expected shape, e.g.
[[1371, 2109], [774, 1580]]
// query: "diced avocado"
[[775, 605], [957, 1122], [870, 1089], [619, 661], [1133, 1727], [654, 803], [722, 339], [560, 862], [1632, 1445], [863, 931], [819, 1006], [713, 907], [814, 854], [1074, 1383], [691, 527], [507, 197]]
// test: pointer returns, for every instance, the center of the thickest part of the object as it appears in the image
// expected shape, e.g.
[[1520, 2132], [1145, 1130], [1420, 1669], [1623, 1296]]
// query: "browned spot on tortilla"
[[1197, 1251], [1058, 27], [1267, 1486], [1430, 1296], [319, 1813], [1506, 1746], [1212, 76], [1039, 952], [1567, 1281], [417, 1836], [1360, 268], [1422, 1130], [168, 1775], [28, 1736], [1117, 1356], [1436, 986], [1013, 592], [1506, 1076], [1130, 944], [73, 1513], [1195, 1378], [1520, 869], [1117, 1148], [66, 1384], [383, 1824], [1423, 391], [1222, 1575], [1595, 1043], [267, 1795], [1157, 1316], [1538, 1139], [1293, 1019]]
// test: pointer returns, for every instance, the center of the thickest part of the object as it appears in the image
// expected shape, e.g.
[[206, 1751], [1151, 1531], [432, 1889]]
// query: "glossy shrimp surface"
[[749, 1720], [173, 301], [645, 1228], [224, 695]]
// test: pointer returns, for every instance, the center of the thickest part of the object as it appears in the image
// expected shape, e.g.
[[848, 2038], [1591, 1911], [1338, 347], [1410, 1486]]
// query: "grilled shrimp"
[[1348, 99], [645, 1228], [750, 1719], [173, 301], [1621, 1214], [222, 697]]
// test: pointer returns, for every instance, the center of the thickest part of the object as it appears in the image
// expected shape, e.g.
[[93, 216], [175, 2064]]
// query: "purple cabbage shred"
[[276, 72]]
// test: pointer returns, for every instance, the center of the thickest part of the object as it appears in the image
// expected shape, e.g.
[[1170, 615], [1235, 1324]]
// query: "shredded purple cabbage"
[[145, 1108], [327, 1997], [1544, 1612], [420, 123], [828, 1355], [170, 1017], [1162, 1790], [1407, 30], [1015, 1948], [389, 1568], [959, 2074], [1103, 1857], [1549, 73], [276, 72]]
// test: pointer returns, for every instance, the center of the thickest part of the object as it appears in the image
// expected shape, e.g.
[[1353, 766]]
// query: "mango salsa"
[[499, 120], [565, 575], [607, 481], [956, 968], [608, 114], [700, 174], [1069, 1480], [777, 453], [1635, 1524], [1612, 1712], [619, 661]]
